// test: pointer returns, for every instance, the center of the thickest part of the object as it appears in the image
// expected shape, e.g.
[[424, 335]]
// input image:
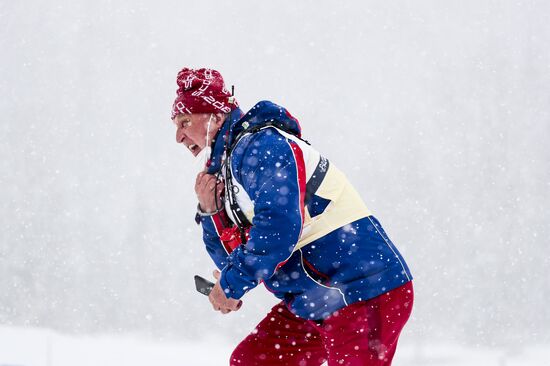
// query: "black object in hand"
[[203, 285]]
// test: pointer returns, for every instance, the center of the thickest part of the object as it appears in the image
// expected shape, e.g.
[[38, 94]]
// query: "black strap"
[[316, 179], [242, 221], [257, 128], [231, 191], [312, 186]]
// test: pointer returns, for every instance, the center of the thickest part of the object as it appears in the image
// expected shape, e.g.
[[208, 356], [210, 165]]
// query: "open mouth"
[[195, 149]]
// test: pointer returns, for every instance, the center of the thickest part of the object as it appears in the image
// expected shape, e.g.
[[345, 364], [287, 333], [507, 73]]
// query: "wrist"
[[202, 212]]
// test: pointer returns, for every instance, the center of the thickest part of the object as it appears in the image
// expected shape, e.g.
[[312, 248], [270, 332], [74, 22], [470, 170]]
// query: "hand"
[[204, 187], [218, 299]]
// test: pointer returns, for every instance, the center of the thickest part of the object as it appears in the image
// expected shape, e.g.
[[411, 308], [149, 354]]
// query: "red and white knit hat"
[[202, 91]]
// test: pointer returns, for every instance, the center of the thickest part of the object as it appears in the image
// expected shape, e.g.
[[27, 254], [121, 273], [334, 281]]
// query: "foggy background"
[[438, 112]]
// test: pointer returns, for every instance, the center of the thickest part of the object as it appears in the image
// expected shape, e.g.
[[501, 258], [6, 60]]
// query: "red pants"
[[364, 333]]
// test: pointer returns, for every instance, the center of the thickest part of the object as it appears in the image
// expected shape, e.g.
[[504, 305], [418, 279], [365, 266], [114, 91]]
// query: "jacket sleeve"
[[271, 170], [211, 230]]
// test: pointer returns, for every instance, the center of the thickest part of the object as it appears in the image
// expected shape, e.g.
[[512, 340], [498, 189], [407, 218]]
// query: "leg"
[[366, 333], [280, 339]]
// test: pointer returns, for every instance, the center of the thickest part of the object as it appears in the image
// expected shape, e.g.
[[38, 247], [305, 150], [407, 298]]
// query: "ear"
[[219, 119]]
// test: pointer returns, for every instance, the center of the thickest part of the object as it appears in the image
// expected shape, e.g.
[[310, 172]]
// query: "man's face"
[[191, 130]]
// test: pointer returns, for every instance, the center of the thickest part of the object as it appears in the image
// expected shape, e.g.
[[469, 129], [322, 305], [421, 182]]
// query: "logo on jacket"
[[323, 164]]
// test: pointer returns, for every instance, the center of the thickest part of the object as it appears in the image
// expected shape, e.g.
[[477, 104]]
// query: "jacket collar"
[[221, 139], [263, 113]]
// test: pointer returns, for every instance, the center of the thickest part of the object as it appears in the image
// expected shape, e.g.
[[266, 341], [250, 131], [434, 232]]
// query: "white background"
[[438, 112]]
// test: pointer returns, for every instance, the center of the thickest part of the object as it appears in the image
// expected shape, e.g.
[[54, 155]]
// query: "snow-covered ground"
[[35, 347], [25, 347]]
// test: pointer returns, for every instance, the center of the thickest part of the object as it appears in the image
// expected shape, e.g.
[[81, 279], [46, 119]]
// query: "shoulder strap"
[[316, 179]]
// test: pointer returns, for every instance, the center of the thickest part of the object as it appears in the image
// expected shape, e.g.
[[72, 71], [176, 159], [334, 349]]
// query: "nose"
[[180, 135]]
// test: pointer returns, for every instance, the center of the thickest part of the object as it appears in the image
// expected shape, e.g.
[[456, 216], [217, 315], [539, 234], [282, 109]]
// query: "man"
[[274, 211]]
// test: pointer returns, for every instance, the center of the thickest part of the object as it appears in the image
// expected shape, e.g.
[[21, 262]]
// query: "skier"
[[275, 211]]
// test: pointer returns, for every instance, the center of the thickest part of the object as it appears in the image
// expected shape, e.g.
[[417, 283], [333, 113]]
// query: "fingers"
[[235, 304], [211, 184], [221, 187], [205, 183], [209, 180], [202, 177], [201, 188], [228, 306], [209, 191], [223, 309], [220, 302], [216, 274], [199, 177], [227, 310]]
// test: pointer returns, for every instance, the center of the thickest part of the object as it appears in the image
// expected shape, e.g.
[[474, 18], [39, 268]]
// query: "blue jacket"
[[317, 254]]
